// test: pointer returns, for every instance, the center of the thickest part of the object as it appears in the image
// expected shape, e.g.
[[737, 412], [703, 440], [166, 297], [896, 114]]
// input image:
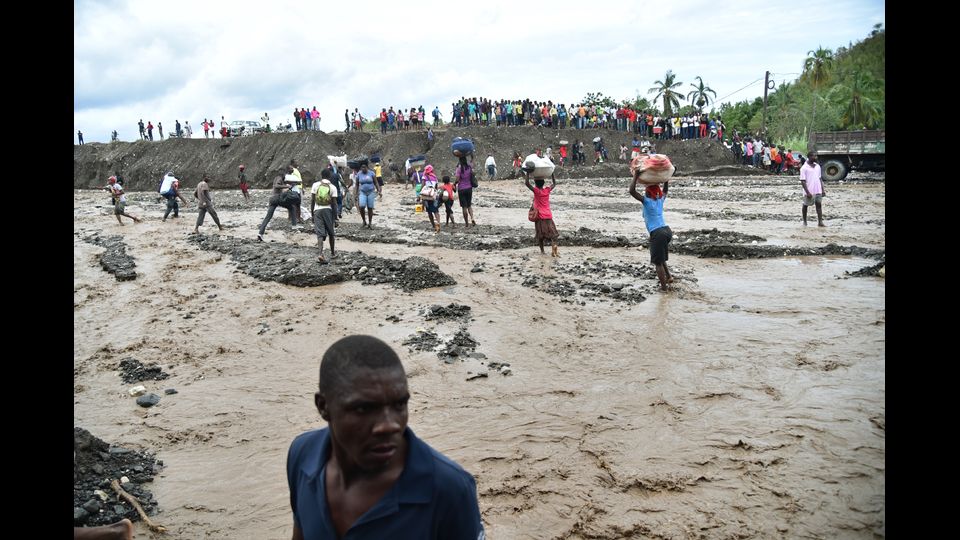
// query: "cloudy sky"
[[190, 60]]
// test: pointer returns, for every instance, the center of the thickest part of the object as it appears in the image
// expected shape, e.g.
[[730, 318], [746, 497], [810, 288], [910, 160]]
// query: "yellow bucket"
[[418, 208]]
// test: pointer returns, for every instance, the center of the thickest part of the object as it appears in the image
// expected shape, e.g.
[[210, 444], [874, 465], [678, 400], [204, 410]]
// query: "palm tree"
[[861, 99], [816, 68], [699, 94], [665, 88]]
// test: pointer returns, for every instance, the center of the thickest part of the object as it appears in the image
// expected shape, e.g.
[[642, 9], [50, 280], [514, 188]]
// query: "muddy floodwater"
[[748, 402]]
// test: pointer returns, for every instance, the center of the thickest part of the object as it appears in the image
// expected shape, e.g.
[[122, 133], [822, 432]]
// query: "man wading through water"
[[277, 199], [812, 185], [205, 204], [660, 234], [324, 195]]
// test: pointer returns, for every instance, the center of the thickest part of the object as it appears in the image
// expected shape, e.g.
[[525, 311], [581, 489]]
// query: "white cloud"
[[187, 60]]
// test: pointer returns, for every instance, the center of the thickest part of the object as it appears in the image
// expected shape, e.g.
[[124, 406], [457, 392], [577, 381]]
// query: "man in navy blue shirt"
[[366, 475]]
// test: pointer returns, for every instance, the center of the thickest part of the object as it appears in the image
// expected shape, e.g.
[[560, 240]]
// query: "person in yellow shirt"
[[378, 173]]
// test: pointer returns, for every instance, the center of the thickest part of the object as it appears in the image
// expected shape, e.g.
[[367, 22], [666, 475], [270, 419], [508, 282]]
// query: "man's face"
[[812, 158], [368, 416]]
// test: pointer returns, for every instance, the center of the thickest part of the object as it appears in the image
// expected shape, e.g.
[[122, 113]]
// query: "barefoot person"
[[366, 475], [205, 204], [543, 225], [170, 190], [365, 191], [812, 184], [277, 199], [465, 183], [119, 200], [660, 234], [323, 208], [244, 186], [429, 194], [447, 195]]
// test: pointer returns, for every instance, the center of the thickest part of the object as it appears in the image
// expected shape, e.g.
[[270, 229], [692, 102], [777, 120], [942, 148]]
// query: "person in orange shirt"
[[582, 113]]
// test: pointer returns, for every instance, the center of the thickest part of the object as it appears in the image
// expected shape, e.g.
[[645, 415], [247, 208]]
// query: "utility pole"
[[766, 86]]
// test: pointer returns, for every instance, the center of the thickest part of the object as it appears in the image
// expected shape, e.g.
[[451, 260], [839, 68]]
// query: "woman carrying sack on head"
[[540, 213], [466, 181], [429, 194]]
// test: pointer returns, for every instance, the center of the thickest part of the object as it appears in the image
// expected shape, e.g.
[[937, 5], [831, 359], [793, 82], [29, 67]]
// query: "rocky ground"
[[95, 464]]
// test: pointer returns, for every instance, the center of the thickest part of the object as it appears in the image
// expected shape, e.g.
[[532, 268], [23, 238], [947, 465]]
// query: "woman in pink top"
[[544, 226]]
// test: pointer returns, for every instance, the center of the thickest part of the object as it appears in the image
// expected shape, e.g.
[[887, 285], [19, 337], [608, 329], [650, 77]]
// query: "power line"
[[744, 88]]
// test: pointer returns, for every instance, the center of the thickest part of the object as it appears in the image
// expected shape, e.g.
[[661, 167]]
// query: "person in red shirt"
[[563, 154], [447, 196], [544, 227]]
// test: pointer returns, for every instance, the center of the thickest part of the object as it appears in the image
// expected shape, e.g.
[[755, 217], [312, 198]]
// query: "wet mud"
[[734, 405]]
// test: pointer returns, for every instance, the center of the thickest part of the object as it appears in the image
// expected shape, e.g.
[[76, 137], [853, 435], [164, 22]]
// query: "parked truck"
[[839, 152]]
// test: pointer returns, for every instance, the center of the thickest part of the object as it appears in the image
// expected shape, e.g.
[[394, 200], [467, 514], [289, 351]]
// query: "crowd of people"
[[331, 194], [484, 112], [754, 152]]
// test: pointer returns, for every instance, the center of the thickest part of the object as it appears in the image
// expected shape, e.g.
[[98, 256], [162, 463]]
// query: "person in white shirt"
[[491, 165], [324, 194]]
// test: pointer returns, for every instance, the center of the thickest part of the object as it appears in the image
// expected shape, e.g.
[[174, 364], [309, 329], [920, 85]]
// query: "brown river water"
[[749, 402]]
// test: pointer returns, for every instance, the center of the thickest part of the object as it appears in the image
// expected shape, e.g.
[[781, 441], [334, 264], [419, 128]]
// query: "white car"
[[240, 128]]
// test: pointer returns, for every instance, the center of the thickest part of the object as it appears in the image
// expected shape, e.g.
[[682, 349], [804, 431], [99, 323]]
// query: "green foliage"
[[598, 99], [700, 95], [667, 88], [837, 90], [640, 103], [860, 101]]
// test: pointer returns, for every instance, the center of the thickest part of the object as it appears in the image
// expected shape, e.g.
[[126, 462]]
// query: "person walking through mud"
[[205, 204], [517, 164], [119, 200], [812, 184], [491, 165], [543, 224], [244, 187], [366, 475], [297, 190], [363, 191], [323, 208], [447, 195], [170, 190], [466, 181], [660, 235], [277, 199], [429, 195]]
